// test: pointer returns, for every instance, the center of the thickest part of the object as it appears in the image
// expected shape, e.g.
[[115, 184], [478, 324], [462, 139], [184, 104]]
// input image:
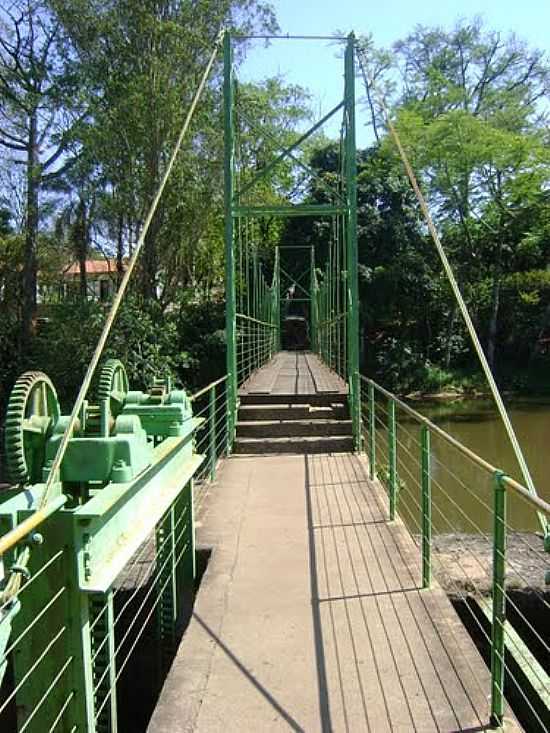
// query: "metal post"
[[71, 612], [392, 457], [168, 589], [189, 572], [278, 297], [212, 431], [104, 669], [351, 242], [257, 316], [499, 600], [372, 432], [312, 300], [426, 481], [230, 293], [327, 314]]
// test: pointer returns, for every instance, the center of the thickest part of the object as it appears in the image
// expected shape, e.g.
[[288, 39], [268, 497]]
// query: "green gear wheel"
[[113, 385], [33, 409]]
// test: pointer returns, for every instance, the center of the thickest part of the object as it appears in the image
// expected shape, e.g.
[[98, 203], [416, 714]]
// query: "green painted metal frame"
[[392, 459], [426, 500], [351, 242], [230, 290], [372, 433], [499, 600], [334, 309]]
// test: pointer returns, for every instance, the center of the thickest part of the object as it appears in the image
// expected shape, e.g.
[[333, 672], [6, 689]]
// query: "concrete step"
[[323, 399], [294, 428], [249, 413], [327, 444]]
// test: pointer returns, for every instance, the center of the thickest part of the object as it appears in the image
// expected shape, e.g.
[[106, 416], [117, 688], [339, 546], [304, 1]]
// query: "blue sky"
[[314, 65]]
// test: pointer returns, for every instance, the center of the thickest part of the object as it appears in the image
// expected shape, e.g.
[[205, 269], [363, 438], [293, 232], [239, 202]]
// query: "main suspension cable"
[[369, 84]]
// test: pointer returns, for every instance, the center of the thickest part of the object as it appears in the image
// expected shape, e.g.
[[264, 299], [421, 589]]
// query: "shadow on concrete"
[[292, 723], [322, 686]]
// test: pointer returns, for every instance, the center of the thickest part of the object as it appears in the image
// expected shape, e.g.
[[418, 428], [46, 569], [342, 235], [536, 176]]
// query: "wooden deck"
[[311, 615], [294, 373]]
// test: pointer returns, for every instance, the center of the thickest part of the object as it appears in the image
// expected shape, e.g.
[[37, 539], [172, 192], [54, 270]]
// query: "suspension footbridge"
[[307, 499]]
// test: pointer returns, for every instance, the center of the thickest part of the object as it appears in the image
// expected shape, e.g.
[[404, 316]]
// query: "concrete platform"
[[310, 616]]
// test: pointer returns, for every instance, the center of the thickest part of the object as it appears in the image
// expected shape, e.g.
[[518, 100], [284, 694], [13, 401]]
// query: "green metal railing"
[[210, 403], [258, 315], [464, 514], [330, 310], [68, 656], [68, 649]]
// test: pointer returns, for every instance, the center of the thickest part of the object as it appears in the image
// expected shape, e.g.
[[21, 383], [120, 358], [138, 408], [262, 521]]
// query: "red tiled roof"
[[93, 267]]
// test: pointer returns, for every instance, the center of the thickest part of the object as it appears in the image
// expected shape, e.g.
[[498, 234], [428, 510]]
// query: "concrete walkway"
[[310, 616]]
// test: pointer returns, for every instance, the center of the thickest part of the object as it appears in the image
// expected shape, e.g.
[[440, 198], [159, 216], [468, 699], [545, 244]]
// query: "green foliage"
[[436, 379], [140, 64], [469, 117], [185, 343], [113, 93]]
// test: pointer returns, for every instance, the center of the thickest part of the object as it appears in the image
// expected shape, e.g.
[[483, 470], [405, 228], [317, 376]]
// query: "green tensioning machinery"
[[126, 476]]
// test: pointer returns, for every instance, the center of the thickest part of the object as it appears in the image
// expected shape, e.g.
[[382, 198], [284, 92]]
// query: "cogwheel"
[[32, 411], [113, 385]]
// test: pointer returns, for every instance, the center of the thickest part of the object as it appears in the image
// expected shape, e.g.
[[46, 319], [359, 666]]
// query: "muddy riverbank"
[[464, 563]]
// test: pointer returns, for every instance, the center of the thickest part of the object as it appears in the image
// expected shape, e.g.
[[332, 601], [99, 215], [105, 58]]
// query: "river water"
[[461, 491]]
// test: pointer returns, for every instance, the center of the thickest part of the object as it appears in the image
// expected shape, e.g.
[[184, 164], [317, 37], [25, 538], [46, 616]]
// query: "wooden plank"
[[265, 378], [325, 380], [294, 373], [429, 672]]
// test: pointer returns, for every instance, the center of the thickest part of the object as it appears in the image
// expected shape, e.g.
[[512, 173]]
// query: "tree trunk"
[[120, 251], [495, 305], [450, 334], [80, 234], [29, 273]]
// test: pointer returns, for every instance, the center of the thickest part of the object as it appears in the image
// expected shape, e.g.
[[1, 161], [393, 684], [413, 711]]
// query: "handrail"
[[20, 531], [255, 320], [208, 387], [533, 499]]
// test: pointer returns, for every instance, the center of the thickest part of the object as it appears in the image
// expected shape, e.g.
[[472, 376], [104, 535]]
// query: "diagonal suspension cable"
[[369, 84], [125, 280]]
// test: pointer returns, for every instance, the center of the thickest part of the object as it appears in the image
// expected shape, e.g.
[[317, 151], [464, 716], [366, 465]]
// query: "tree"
[[38, 117], [470, 118], [142, 63], [267, 120]]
